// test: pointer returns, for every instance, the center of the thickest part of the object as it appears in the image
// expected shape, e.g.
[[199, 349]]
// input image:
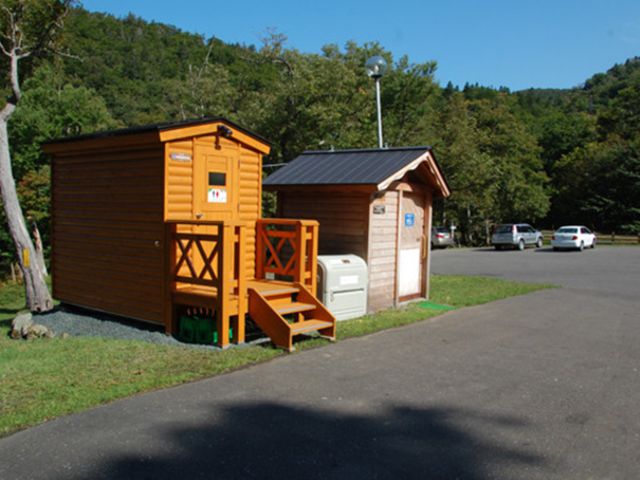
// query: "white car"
[[574, 237]]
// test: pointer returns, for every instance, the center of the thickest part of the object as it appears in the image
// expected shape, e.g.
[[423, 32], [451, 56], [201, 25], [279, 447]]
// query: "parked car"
[[516, 235], [441, 237], [573, 237]]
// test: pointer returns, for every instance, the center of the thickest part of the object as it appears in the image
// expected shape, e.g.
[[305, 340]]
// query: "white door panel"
[[410, 266]]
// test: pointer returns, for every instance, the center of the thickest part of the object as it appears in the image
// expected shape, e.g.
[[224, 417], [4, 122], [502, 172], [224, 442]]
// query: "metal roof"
[[345, 167], [159, 127]]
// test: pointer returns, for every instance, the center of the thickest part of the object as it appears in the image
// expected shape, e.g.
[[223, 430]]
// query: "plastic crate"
[[201, 330]]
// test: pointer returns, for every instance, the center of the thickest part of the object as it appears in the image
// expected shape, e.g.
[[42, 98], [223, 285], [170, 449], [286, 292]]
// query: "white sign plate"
[[180, 157], [217, 195]]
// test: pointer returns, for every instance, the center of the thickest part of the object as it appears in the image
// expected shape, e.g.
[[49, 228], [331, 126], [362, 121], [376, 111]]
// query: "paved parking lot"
[[614, 270], [540, 386]]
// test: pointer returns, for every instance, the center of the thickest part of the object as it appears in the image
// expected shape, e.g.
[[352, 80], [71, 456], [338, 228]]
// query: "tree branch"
[[60, 53], [4, 50], [44, 39]]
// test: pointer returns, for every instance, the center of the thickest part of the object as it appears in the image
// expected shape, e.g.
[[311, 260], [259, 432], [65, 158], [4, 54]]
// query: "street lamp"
[[375, 67]]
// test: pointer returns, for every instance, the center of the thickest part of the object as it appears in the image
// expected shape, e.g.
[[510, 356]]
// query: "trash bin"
[[342, 285]]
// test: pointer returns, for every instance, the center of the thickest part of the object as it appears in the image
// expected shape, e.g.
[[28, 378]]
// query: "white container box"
[[342, 285]]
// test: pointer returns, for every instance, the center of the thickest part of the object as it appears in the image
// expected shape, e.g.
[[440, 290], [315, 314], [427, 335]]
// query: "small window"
[[522, 229], [217, 179], [584, 230]]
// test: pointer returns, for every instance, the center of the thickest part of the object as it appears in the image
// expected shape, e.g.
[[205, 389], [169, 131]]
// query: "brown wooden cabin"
[[152, 221], [376, 204]]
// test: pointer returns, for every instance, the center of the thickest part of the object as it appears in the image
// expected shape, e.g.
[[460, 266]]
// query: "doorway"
[[214, 195], [412, 246]]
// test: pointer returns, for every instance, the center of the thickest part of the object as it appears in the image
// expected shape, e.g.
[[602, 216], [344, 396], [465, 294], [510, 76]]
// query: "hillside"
[[547, 156]]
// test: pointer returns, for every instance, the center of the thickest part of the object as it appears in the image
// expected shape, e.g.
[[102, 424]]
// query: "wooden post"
[[239, 330], [313, 259], [225, 281], [428, 221], [259, 251], [301, 261], [396, 293]]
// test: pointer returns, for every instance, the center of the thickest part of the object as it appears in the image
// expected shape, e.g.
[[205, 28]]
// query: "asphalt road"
[[543, 386]]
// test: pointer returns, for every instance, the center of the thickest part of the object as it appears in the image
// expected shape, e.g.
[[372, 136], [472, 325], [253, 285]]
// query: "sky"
[[518, 44]]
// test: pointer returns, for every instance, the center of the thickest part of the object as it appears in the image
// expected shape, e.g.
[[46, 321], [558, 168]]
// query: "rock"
[[21, 324], [64, 335], [38, 331]]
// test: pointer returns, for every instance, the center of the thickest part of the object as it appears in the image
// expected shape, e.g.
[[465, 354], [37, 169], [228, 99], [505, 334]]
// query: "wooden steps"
[[309, 326], [294, 307], [271, 301]]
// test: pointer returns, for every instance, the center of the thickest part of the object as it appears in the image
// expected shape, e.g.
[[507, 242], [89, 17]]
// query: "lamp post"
[[375, 67]]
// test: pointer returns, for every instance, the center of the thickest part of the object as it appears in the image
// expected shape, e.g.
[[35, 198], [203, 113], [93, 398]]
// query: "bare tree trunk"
[[487, 232], [37, 293], [37, 239], [469, 230]]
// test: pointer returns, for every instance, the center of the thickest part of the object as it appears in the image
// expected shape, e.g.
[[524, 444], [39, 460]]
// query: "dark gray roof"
[[345, 167], [155, 127]]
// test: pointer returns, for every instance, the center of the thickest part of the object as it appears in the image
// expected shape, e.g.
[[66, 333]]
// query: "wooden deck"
[[205, 271]]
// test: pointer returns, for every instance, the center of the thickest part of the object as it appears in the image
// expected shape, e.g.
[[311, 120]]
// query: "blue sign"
[[409, 219]]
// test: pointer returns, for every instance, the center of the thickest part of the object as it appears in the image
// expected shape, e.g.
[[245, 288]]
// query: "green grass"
[[44, 379]]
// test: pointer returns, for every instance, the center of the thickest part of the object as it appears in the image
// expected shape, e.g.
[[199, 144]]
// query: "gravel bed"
[[84, 323]]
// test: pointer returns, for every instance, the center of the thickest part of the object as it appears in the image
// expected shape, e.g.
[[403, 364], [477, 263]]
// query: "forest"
[[546, 157]]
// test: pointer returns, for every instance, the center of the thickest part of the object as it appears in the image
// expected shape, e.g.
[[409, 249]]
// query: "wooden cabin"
[[376, 204], [153, 221]]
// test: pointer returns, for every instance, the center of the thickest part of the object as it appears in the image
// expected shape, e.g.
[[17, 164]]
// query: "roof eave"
[[159, 133], [432, 165], [352, 187]]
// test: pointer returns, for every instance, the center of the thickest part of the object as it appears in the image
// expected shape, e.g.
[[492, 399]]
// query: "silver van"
[[516, 235], [441, 237]]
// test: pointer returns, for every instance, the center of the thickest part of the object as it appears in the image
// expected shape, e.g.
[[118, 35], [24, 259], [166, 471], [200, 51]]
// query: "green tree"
[[469, 171], [521, 183], [50, 107]]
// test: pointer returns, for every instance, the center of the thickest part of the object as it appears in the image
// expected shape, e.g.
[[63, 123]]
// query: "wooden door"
[[214, 195], [412, 246], [214, 180]]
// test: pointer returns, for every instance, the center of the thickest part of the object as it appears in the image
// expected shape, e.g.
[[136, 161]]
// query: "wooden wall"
[[107, 214], [342, 216], [348, 225], [383, 231], [179, 181], [179, 184], [250, 201]]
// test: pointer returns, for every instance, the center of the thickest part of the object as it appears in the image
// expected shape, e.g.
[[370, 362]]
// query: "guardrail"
[[287, 249], [207, 259]]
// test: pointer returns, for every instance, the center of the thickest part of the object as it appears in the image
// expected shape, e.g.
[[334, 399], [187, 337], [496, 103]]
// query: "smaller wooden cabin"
[[150, 222], [376, 204]]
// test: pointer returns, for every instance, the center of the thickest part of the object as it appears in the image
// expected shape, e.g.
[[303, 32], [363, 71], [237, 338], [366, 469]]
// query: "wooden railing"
[[287, 249], [210, 255]]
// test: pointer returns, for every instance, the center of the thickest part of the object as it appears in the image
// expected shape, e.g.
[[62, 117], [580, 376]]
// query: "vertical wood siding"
[[107, 214], [383, 251], [342, 217]]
